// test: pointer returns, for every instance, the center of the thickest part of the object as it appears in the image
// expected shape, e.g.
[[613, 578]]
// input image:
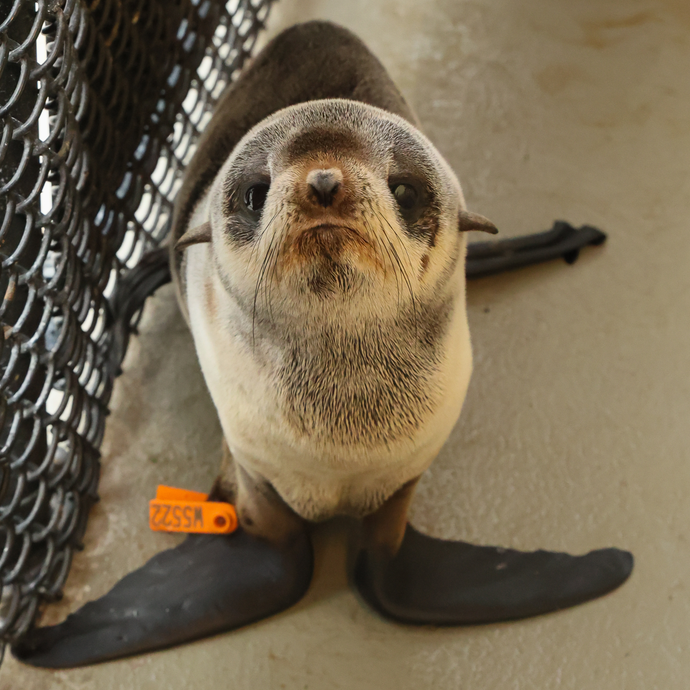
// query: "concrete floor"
[[575, 431]]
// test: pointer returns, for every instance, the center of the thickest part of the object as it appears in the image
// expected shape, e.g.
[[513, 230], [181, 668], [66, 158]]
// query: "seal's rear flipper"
[[206, 585], [438, 582], [563, 240], [140, 282]]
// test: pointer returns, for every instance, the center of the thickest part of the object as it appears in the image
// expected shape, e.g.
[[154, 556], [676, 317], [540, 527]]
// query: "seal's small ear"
[[473, 221], [198, 235]]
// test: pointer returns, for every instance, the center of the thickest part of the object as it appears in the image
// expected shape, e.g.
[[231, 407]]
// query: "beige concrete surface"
[[575, 431]]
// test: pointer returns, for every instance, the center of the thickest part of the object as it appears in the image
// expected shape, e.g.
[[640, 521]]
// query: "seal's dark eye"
[[255, 197], [405, 195]]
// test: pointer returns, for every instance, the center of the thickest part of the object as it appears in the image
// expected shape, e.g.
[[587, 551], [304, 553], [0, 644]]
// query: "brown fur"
[[309, 61], [383, 530], [364, 388]]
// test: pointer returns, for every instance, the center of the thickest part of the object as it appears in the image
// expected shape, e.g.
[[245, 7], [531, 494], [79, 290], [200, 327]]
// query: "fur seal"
[[324, 283], [318, 251]]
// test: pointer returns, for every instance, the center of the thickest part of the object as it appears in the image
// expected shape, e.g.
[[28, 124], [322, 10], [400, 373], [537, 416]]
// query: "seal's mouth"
[[329, 237], [327, 258], [326, 241]]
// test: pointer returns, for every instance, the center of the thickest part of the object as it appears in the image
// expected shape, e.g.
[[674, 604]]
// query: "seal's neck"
[[369, 386]]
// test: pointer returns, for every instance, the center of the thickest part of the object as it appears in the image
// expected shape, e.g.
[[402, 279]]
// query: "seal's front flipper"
[[206, 585], [563, 240], [433, 581]]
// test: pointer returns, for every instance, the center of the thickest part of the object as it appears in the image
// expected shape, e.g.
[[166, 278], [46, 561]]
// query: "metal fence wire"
[[101, 104]]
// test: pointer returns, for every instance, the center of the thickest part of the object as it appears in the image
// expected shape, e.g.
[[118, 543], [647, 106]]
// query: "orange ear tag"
[[179, 510]]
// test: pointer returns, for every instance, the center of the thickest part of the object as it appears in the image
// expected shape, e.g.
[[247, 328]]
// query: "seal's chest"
[[366, 389]]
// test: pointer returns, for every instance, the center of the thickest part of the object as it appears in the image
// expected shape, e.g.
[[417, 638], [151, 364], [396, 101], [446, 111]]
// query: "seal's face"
[[335, 207]]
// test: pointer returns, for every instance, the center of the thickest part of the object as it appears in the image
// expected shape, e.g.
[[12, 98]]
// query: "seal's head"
[[332, 207]]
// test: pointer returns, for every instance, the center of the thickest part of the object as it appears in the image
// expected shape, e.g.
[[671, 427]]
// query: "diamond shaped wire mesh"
[[101, 104]]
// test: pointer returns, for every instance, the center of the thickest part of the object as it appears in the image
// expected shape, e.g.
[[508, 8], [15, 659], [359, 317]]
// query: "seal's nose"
[[324, 185]]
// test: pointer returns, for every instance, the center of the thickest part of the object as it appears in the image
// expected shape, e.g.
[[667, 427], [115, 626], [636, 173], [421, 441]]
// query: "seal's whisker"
[[407, 253], [395, 263], [402, 272], [273, 256], [375, 243], [255, 248], [390, 247], [259, 282], [383, 245], [273, 270], [386, 248]]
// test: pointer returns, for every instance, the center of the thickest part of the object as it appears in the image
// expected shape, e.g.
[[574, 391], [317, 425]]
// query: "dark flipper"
[[152, 272], [208, 584], [563, 240], [432, 581]]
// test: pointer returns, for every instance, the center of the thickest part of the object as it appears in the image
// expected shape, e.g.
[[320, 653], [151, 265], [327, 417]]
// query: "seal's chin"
[[328, 279]]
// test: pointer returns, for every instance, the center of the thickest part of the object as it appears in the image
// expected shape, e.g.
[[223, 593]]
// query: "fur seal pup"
[[318, 252]]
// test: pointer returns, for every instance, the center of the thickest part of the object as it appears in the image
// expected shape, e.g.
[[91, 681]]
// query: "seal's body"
[[318, 253], [332, 333]]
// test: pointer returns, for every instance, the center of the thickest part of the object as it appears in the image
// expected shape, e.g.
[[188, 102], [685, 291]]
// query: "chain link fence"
[[101, 104]]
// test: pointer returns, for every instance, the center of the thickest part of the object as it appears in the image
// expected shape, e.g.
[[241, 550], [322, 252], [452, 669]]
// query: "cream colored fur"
[[316, 477]]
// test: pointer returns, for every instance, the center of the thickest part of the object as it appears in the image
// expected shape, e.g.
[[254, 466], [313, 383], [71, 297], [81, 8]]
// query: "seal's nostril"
[[324, 194], [324, 184]]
